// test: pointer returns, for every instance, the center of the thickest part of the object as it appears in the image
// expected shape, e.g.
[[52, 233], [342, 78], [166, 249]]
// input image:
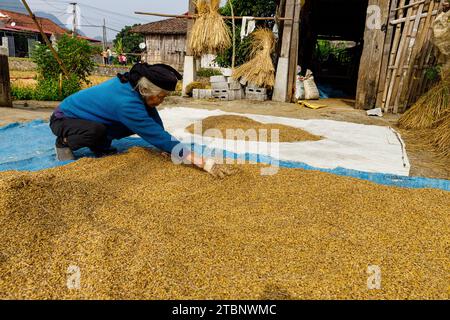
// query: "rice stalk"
[[429, 108], [259, 70], [210, 34], [441, 135]]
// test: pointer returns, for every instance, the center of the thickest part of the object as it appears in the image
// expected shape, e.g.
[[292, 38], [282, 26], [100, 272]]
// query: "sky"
[[117, 13]]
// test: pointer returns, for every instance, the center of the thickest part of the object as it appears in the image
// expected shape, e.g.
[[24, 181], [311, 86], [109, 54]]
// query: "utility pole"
[[74, 19], [105, 41]]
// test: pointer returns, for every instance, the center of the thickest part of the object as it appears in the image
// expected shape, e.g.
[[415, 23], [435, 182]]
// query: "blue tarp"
[[30, 146]]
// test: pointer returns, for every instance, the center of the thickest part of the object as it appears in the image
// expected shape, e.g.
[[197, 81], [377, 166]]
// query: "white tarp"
[[348, 145]]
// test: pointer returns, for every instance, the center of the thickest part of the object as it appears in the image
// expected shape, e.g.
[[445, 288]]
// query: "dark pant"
[[79, 133]]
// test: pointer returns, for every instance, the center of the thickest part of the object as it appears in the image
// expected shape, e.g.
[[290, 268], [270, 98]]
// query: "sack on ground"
[[311, 90], [299, 89]]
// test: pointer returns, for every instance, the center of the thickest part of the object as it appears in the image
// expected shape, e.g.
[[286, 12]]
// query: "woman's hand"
[[216, 170]]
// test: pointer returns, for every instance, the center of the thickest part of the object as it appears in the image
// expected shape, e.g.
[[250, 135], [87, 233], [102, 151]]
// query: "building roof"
[[23, 22], [168, 26], [15, 21]]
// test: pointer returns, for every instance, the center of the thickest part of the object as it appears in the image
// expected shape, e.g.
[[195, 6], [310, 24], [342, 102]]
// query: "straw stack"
[[441, 136], [430, 108], [210, 34], [260, 70]]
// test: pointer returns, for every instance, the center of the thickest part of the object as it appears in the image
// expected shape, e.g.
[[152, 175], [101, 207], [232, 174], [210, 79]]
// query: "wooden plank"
[[386, 51], [5, 86], [190, 24], [371, 59], [293, 55], [281, 79]]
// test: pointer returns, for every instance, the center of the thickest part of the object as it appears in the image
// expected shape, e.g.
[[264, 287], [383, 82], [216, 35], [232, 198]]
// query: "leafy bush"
[[76, 55], [22, 93], [46, 90], [208, 72]]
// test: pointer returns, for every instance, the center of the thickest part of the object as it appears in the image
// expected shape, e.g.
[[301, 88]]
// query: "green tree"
[[253, 8], [76, 55], [130, 42]]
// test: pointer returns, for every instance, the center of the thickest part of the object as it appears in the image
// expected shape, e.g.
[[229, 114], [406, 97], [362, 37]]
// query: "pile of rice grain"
[[138, 226], [227, 122]]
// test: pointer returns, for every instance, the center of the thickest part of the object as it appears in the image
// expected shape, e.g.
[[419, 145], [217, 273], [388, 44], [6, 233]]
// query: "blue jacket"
[[112, 103]]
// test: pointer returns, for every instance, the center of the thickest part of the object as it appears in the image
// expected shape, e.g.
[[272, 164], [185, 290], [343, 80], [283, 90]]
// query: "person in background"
[[121, 107], [105, 57], [110, 57]]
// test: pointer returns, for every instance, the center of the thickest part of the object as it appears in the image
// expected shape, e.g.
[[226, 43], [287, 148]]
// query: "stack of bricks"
[[202, 93], [220, 88], [235, 92], [255, 93]]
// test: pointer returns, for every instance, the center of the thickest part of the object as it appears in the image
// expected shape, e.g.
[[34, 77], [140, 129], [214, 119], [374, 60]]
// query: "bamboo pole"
[[384, 70], [401, 58], [179, 16], [409, 50], [233, 58], [423, 32], [393, 85], [392, 58], [409, 5], [44, 36]]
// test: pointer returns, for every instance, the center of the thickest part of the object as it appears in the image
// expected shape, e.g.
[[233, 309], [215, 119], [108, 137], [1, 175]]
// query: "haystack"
[[441, 136], [430, 108], [210, 34], [260, 70]]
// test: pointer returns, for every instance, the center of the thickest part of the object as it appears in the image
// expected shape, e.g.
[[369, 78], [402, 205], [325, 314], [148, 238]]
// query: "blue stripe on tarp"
[[30, 147]]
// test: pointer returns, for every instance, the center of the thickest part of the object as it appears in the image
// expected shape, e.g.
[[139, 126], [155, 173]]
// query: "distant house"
[[18, 32], [166, 43]]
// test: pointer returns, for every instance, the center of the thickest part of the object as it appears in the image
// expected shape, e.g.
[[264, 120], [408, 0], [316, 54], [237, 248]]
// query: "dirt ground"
[[424, 160]]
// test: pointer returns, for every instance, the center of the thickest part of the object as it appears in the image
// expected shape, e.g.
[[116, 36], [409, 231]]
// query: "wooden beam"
[[189, 68], [371, 59], [293, 55], [281, 79], [194, 16]]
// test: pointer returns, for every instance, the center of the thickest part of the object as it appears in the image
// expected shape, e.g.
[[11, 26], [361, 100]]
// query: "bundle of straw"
[[210, 33], [260, 70], [429, 108], [441, 135]]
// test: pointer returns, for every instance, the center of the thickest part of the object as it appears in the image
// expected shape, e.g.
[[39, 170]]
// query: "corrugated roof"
[[168, 26], [15, 21], [24, 22]]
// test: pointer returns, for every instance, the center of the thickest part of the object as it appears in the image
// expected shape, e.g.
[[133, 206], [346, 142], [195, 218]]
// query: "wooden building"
[[165, 41], [392, 47], [18, 33]]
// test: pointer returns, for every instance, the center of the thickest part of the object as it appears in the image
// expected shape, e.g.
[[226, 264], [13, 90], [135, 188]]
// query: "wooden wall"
[[168, 49]]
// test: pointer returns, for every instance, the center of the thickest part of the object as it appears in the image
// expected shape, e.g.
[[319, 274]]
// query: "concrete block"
[[219, 85], [238, 94], [254, 89], [234, 84], [256, 96], [217, 79], [220, 94], [202, 93]]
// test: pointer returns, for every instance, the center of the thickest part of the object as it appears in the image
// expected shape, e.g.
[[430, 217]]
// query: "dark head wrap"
[[160, 75]]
